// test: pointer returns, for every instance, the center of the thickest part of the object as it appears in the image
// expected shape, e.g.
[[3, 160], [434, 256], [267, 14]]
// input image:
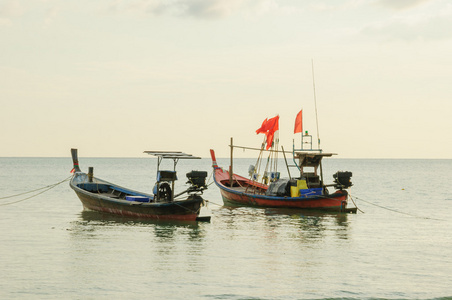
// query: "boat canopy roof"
[[311, 159], [172, 154]]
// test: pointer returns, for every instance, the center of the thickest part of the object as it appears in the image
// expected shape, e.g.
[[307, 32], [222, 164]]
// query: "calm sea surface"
[[399, 248]]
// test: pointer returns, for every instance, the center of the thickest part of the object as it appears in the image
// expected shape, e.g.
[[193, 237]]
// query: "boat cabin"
[[310, 166]]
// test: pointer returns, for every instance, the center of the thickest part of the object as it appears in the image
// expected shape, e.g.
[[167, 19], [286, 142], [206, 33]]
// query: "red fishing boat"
[[306, 190]]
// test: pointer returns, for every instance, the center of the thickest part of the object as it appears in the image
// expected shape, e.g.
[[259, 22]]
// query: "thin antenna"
[[315, 102], [301, 133]]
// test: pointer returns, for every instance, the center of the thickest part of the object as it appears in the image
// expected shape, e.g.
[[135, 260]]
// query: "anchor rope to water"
[[397, 211], [355, 203], [45, 189]]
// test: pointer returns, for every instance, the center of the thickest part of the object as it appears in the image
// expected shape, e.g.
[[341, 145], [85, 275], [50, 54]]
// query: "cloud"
[[337, 6], [401, 4], [201, 9], [15, 9], [212, 9], [10, 10], [435, 27], [430, 22], [50, 15]]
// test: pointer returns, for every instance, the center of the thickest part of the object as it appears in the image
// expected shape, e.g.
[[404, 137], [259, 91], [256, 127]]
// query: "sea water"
[[399, 246]]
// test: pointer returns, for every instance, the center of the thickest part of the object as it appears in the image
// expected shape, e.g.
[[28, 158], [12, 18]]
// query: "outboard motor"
[[197, 180], [342, 180]]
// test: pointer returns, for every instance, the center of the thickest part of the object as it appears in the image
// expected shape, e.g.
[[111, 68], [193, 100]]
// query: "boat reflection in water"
[[93, 221], [312, 221], [277, 223]]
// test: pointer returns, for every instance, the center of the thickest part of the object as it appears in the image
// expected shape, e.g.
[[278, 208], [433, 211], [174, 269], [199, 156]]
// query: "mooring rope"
[[210, 177], [45, 189], [397, 211], [190, 210], [355, 203], [214, 203]]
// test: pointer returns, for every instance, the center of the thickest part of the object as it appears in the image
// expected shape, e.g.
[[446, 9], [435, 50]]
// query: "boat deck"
[[110, 195], [248, 190]]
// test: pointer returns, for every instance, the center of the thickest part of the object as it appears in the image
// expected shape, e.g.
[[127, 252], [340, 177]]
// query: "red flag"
[[263, 128], [270, 140], [273, 126], [269, 126], [298, 123]]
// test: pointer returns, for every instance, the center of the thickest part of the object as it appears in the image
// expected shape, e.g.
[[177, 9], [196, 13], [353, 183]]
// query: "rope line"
[[210, 177], [355, 203], [45, 189], [16, 195], [190, 210], [213, 203], [397, 211]]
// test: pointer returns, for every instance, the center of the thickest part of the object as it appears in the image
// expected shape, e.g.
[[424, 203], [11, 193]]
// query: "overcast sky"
[[115, 78]]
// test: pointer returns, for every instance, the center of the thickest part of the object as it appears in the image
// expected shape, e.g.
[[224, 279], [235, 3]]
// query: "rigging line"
[[275, 156], [48, 188], [315, 102], [259, 158], [260, 149], [397, 211]]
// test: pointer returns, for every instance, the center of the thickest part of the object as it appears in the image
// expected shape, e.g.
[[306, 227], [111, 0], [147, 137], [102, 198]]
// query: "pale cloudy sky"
[[114, 78]]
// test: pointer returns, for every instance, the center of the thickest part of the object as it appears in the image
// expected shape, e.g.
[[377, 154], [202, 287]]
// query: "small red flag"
[[298, 123]]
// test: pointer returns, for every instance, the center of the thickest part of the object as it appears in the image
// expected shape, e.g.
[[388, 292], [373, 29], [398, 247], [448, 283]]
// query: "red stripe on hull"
[[187, 211], [325, 202], [124, 213]]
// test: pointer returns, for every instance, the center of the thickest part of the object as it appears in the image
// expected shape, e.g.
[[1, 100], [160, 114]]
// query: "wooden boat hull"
[[242, 194], [186, 210]]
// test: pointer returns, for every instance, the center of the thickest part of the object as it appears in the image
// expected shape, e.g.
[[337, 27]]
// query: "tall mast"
[[301, 132], [315, 102]]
